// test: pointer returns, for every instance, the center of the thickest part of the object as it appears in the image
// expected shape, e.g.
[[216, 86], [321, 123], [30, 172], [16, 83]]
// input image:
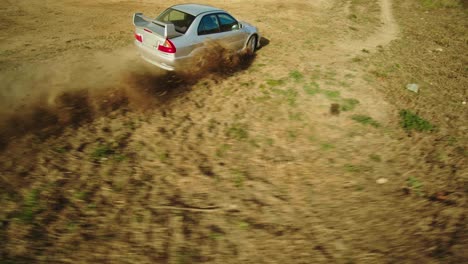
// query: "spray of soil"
[[44, 100]]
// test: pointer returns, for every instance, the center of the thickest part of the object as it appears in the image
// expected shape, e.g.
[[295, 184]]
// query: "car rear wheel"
[[251, 45]]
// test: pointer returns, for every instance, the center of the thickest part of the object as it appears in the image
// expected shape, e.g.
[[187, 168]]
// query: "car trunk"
[[153, 32]]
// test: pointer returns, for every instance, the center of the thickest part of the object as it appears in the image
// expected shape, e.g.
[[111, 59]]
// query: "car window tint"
[[226, 22], [181, 20], [208, 25]]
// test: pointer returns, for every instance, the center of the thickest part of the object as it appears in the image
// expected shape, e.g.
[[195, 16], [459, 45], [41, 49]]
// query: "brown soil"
[[296, 155]]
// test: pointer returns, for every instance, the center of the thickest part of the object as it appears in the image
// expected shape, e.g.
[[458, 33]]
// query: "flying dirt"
[[71, 92]]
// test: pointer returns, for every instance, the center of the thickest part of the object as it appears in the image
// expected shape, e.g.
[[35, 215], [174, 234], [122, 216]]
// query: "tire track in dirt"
[[347, 46], [387, 32], [338, 56]]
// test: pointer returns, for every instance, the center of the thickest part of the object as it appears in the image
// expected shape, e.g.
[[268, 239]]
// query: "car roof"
[[195, 9]]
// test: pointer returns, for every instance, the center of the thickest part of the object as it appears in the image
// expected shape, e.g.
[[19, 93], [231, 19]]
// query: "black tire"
[[251, 46]]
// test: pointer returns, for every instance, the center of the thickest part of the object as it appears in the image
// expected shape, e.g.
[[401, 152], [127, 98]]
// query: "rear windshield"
[[181, 20]]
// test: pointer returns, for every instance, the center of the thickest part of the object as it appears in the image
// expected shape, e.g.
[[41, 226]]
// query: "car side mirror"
[[236, 26]]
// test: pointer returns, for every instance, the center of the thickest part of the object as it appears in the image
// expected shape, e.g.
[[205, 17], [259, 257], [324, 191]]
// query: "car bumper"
[[151, 55]]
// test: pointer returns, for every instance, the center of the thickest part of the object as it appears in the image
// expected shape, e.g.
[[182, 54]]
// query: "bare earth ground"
[[298, 155]]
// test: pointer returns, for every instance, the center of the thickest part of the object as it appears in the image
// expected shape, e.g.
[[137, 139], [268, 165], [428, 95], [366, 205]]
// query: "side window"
[[208, 25], [226, 22]]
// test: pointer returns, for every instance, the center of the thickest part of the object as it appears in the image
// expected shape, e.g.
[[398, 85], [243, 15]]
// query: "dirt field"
[[313, 151]]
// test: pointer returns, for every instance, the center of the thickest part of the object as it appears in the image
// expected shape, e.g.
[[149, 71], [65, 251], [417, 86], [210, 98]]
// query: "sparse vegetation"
[[254, 143], [221, 151], [365, 120], [119, 157], [375, 157], [163, 156], [239, 178], [274, 83], [269, 141], [102, 151], [327, 146], [60, 150], [357, 168], [81, 195], [348, 104], [332, 95], [356, 59], [352, 168], [415, 185], [312, 88], [290, 95], [434, 4], [244, 225], [238, 131], [295, 116], [330, 74], [30, 208], [292, 135], [411, 121], [296, 75]]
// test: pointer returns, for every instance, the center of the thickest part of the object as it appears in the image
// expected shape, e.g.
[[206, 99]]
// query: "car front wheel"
[[251, 45]]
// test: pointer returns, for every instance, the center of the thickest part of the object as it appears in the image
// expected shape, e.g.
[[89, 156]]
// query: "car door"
[[206, 29], [221, 27], [209, 28], [231, 33]]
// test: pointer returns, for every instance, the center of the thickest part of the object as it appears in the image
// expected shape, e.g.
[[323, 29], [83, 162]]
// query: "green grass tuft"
[[357, 168], [102, 151], [273, 83], [415, 185], [352, 168], [60, 150], [221, 151], [330, 94], [163, 156], [269, 141], [312, 88], [239, 178], [327, 146], [81, 195], [296, 75], [411, 121], [243, 225], [349, 104], [366, 120], [30, 207], [375, 157], [238, 131], [292, 135]]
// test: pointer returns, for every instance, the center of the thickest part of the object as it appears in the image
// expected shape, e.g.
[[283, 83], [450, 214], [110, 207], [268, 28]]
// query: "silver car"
[[179, 32]]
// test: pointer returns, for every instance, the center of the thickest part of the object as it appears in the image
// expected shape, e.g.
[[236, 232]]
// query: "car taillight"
[[167, 47], [138, 37]]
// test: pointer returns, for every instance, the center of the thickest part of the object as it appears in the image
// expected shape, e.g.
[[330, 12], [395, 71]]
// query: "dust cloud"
[[44, 99]]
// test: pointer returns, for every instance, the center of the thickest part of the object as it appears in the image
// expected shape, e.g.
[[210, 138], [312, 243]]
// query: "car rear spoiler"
[[139, 20]]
